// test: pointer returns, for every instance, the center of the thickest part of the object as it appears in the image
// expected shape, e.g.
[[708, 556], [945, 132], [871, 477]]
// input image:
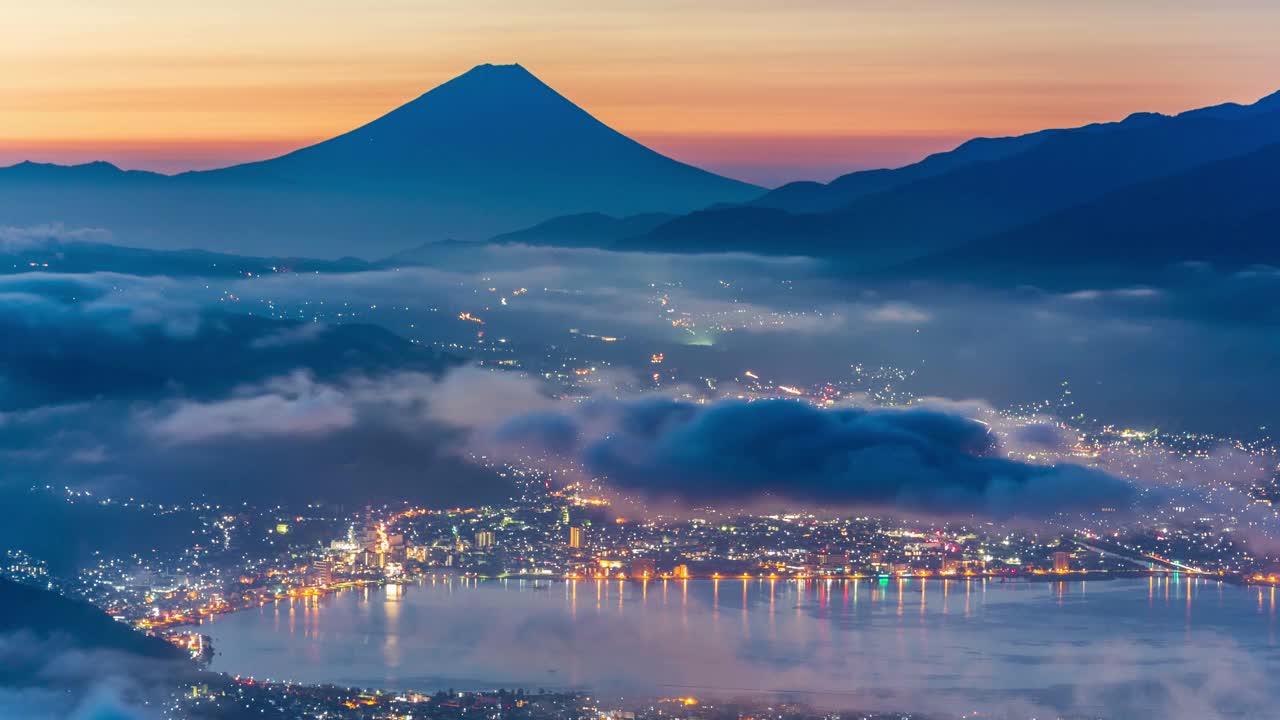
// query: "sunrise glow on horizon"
[[748, 89]]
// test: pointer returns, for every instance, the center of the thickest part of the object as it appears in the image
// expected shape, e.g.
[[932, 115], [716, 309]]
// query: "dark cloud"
[[77, 338], [913, 460], [290, 439], [128, 385]]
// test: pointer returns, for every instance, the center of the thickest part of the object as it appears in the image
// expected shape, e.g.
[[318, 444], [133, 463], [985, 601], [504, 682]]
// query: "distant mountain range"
[[497, 156], [1226, 213], [1149, 189], [493, 150]]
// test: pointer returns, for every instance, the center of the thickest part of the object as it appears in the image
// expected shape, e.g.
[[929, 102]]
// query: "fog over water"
[[1189, 648]]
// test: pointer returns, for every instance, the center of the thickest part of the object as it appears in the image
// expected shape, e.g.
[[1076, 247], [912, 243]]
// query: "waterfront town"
[[244, 556]]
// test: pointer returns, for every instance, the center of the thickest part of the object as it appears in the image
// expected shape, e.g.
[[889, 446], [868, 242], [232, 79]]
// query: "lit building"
[[484, 539], [322, 572], [829, 560], [575, 537], [1061, 562]]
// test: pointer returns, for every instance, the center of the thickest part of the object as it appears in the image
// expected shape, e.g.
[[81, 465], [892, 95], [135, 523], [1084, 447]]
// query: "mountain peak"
[[500, 128], [490, 72], [1143, 119], [489, 82], [491, 113], [494, 68]]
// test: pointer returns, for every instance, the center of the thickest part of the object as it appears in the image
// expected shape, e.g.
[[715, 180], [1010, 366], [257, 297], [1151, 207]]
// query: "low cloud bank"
[[912, 460]]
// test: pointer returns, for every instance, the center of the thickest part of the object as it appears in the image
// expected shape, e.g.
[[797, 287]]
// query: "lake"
[[1176, 646]]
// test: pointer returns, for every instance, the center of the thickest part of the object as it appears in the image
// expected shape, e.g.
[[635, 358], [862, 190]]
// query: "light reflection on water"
[[1065, 644]]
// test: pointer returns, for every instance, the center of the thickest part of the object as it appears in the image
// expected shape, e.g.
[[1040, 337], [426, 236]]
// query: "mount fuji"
[[491, 151]]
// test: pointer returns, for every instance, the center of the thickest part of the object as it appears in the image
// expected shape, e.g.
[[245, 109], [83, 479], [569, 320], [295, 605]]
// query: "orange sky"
[[763, 90]]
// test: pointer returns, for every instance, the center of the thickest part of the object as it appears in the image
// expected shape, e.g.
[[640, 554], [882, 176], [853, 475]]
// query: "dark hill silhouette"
[[1058, 170], [1226, 213], [492, 150], [585, 230], [48, 615], [65, 658]]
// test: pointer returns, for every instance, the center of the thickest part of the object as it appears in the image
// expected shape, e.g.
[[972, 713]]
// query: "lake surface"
[[1179, 647]]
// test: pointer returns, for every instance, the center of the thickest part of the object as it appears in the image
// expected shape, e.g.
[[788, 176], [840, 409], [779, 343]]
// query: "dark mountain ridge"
[[818, 197], [585, 230], [47, 615], [920, 217], [1224, 213]]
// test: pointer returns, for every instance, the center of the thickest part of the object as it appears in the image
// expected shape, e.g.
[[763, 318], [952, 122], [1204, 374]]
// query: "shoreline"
[[1046, 577]]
